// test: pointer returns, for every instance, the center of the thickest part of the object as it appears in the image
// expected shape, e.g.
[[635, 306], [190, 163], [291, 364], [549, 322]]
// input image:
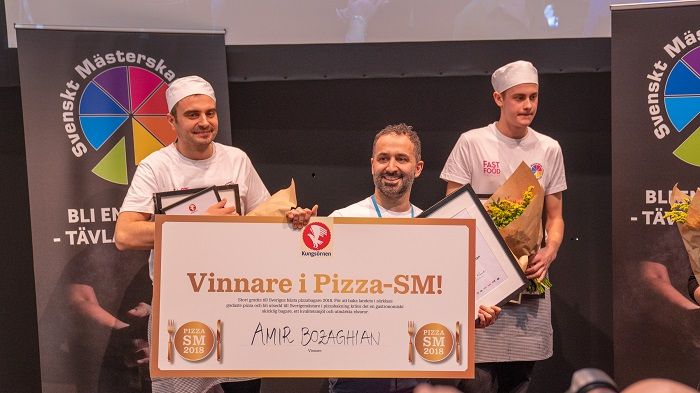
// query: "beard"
[[393, 191]]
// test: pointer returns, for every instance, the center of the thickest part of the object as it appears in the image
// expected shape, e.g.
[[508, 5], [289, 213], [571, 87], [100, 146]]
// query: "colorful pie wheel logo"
[[682, 101], [123, 104], [537, 170]]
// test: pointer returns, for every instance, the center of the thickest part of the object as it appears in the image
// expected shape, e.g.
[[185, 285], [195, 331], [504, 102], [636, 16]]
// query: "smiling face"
[[196, 124], [394, 166], [518, 108]]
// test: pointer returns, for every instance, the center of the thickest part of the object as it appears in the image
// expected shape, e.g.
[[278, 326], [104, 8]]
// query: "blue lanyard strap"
[[379, 213]]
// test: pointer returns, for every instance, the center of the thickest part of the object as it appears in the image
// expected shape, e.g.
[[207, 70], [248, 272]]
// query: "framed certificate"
[[164, 200], [499, 278], [195, 204]]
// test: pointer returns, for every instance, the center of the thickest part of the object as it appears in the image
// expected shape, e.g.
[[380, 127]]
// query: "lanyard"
[[379, 213]]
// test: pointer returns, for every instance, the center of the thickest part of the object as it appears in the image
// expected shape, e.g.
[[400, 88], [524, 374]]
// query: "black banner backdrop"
[[656, 143], [94, 106]]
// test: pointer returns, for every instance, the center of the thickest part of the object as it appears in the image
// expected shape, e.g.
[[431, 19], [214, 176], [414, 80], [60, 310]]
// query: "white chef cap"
[[511, 74], [185, 87]]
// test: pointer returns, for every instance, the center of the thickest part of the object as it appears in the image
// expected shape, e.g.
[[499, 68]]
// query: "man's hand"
[[487, 316], [539, 264], [141, 310], [136, 352], [426, 388], [300, 216], [219, 209], [143, 352]]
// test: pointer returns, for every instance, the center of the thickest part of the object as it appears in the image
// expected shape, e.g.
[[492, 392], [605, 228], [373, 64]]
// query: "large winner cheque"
[[344, 297]]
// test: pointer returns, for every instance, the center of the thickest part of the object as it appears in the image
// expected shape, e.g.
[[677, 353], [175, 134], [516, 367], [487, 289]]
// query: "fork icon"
[[411, 333], [171, 331]]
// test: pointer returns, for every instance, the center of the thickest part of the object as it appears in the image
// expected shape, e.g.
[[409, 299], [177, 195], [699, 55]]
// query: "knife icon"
[[458, 345], [218, 340]]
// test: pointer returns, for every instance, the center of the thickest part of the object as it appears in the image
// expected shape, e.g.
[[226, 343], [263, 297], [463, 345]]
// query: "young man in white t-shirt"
[[396, 162], [485, 158], [194, 160]]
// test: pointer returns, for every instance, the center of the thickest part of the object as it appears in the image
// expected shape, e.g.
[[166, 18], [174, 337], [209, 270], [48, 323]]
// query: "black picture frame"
[[166, 199], [190, 198], [500, 284]]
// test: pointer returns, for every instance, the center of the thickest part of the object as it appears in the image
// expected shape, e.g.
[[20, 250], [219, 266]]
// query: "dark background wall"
[[310, 112]]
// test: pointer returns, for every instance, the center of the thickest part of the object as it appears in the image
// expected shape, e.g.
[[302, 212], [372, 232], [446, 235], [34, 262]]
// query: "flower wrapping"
[[689, 225], [524, 234], [278, 204]]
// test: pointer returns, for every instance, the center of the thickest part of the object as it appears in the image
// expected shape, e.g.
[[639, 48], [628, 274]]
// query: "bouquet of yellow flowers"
[[685, 212], [505, 211], [516, 209]]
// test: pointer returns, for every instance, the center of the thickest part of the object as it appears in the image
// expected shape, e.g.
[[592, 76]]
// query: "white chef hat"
[[512, 74], [187, 86]]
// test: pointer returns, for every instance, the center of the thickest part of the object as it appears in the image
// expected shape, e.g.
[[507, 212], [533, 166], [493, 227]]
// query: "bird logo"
[[316, 235]]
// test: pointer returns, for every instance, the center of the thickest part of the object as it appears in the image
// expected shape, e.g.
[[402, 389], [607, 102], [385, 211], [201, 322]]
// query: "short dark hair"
[[400, 129]]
